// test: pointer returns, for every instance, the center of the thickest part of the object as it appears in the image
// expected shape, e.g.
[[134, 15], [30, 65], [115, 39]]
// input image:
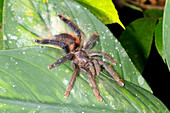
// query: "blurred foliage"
[[138, 37]]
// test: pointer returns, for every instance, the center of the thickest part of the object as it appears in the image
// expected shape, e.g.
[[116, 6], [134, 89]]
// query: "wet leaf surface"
[[26, 85], [166, 33]]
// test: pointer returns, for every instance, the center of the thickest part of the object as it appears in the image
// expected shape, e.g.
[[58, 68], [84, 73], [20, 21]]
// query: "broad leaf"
[[26, 83], [159, 40], [137, 39], [28, 86], [104, 10], [1, 10], [166, 32]]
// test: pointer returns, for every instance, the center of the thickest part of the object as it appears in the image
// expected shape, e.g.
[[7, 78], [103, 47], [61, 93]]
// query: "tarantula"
[[82, 59]]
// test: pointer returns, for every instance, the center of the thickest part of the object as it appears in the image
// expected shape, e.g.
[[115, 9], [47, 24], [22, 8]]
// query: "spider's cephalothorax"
[[82, 59]]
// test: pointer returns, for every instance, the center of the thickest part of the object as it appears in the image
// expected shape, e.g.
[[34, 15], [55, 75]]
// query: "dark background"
[[156, 71]]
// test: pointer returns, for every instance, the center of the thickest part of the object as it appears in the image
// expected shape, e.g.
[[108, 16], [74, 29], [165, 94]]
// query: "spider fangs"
[[82, 59]]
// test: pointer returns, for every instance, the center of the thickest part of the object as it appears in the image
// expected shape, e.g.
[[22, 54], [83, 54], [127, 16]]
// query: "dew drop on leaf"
[[140, 80]]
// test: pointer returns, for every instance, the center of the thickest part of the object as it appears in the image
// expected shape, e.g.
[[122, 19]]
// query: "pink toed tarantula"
[[82, 59]]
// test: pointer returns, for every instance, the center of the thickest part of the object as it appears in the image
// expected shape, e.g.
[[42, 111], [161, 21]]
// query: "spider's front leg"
[[75, 28], [61, 44], [92, 39], [93, 83], [70, 86], [61, 60], [110, 70]]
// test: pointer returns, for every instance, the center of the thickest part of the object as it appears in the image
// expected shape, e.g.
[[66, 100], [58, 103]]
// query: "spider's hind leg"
[[110, 70], [97, 66], [93, 83], [73, 79]]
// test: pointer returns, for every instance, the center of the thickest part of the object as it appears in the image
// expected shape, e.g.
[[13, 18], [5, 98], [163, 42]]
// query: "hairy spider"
[[82, 59]]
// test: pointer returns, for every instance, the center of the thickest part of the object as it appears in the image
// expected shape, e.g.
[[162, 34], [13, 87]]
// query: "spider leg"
[[96, 65], [93, 83], [110, 70], [108, 57], [61, 60], [92, 69], [73, 79], [61, 44], [92, 39], [75, 28]]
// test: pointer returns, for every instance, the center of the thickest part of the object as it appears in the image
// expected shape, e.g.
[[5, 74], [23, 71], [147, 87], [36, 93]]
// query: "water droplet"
[[9, 35], [72, 91], [13, 85], [140, 80], [2, 91], [10, 42], [67, 71], [65, 82], [4, 37], [6, 65], [38, 107], [77, 6], [12, 59], [16, 62], [13, 37], [23, 52]]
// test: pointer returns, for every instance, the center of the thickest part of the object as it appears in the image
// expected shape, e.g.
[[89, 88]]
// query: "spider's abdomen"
[[81, 58]]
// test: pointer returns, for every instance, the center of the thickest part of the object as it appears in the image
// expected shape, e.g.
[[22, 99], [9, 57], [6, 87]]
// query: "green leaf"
[[153, 13], [26, 85], [137, 40], [1, 40], [104, 10], [1, 10], [159, 40], [32, 23], [132, 6], [166, 32]]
